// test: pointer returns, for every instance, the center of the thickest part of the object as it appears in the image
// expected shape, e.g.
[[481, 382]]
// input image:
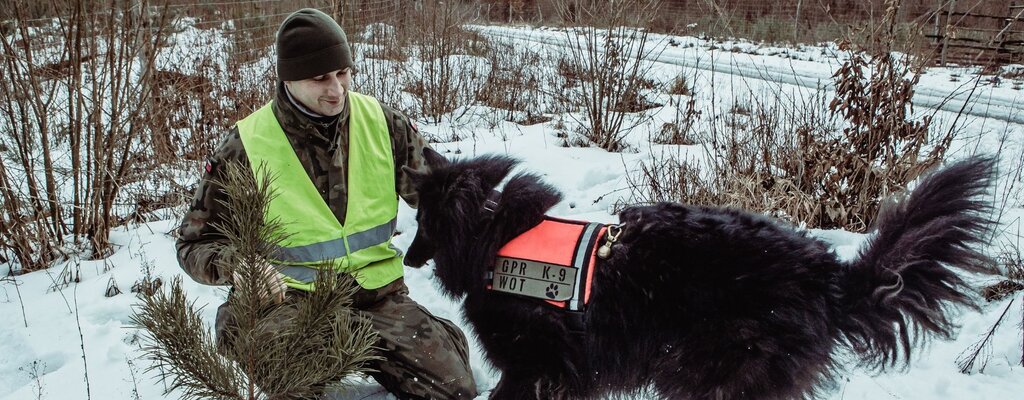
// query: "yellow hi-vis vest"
[[312, 235]]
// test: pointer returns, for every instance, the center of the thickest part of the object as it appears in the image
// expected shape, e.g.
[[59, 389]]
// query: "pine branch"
[[318, 343], [182, 349], [290, 350], [248, 201]]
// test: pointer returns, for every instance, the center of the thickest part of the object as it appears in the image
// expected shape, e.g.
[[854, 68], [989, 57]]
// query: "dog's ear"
[[494, 170], [434, 159], [415, 176]]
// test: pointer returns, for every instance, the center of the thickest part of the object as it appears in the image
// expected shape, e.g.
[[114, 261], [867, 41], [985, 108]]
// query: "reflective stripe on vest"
[[335, 248], [312, 235]]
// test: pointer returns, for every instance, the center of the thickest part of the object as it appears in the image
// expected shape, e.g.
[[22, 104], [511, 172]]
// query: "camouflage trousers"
[[424, 356]]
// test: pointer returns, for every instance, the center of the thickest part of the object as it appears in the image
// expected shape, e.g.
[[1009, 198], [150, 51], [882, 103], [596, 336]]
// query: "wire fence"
[[759, 20], [251, 25]]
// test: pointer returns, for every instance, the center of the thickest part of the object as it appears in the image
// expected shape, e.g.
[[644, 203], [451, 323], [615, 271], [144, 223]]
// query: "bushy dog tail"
[[902, 279]]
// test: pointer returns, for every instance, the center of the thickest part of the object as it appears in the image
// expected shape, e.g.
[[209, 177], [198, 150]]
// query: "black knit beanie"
[[310, 43]]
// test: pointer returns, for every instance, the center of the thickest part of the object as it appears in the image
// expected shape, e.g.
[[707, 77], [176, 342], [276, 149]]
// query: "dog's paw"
[[552, 291]]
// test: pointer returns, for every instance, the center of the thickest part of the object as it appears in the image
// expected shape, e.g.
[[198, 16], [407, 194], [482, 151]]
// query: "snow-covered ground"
[[46, 327]]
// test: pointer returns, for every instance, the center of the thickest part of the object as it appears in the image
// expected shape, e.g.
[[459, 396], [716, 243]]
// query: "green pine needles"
[[296, 349]]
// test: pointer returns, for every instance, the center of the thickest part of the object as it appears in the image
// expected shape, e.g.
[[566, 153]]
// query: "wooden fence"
[[970, 38]]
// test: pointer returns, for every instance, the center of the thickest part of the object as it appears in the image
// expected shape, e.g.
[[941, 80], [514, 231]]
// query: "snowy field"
[[46, 327]]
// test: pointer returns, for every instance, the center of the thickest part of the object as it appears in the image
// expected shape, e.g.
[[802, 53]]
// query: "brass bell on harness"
[[610, 237]]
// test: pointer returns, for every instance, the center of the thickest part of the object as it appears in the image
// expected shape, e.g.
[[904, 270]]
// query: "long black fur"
[[704, 303]]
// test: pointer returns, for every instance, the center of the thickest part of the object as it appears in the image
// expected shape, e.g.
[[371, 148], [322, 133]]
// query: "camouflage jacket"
[[322, 148]]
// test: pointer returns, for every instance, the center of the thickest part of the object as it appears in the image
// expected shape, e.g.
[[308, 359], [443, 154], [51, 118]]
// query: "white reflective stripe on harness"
[[335, 248], [582, 259]]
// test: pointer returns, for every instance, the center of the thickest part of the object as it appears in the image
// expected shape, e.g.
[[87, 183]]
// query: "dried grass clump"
[[679, 86], [1011, 261], [680, 130]]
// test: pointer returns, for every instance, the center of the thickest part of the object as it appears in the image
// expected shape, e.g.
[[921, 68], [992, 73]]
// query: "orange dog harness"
[[553, 261]]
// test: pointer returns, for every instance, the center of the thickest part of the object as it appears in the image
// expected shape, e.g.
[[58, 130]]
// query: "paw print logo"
[[552, 291]]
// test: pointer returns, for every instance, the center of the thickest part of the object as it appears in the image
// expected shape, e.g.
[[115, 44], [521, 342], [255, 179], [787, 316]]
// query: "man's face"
[[324, 94]]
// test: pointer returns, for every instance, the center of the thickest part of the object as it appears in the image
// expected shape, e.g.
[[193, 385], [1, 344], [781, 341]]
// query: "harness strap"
[[584, 262], [491, 204]]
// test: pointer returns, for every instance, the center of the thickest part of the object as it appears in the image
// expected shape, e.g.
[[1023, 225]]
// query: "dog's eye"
[[421, 221]]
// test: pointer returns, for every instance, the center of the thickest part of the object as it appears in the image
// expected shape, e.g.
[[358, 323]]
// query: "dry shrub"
[[94, 112], [443, 80], [680, 130], [514, 84], [826, 164], [1001, 290], [605, 69], [881, 149], [147, 284], [74, 94], [382, 50], [381, 41], [568, 74], [633, 100], [173, 96], [92, 115], [743, 160], [200, 94]]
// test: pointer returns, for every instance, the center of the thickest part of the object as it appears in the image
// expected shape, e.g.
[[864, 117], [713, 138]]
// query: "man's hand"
[[270, 283]]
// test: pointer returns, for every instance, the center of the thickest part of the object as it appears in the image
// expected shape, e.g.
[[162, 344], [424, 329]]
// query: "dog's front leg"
[[513, 387]]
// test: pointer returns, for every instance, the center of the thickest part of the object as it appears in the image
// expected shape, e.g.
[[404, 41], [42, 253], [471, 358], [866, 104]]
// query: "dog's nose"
[[413, 263]]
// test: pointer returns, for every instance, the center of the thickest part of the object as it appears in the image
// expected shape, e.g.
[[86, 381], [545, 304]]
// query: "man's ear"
[[433, 158]]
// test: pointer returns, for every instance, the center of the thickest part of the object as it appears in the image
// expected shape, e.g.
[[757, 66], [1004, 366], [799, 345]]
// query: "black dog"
[[698, 302]]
